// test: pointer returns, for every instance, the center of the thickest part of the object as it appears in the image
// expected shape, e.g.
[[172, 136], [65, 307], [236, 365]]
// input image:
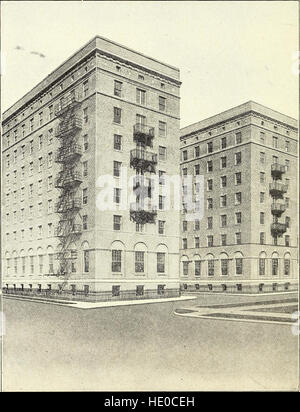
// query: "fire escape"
[[277, 190], [68, 181], [143, 161]]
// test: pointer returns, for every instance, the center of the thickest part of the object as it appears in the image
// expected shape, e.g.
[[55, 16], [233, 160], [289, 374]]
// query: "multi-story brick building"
[[247, 239], [104, 109]]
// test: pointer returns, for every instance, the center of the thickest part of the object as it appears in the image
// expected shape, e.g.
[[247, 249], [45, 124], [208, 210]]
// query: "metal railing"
[[67, 102], [65, 128], [141, 154], [278, 187], [277, 168]]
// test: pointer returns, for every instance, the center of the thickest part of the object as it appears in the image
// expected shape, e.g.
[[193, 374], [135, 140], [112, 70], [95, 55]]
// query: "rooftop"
[[244, 108]]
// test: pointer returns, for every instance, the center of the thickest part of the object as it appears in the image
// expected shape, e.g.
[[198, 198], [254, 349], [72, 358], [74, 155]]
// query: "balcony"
[[141, 214], [69, 153], [277, 170], [143, 134], [70, 179], [71, 254], [277, 189], [277, 208], [66, 104], [76, 229], [72, 126], [277, 229], [143, 161], [64, 206]]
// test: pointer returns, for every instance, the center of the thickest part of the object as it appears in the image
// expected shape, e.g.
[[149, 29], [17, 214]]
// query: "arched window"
[[7, 257], [23, 261], [224, 264], [31, 261], [262, 263], [86, 257], [185, 265], [287, 264], [238, 257], [210, 264], [197, 265], [40, 255], [140, 258], [275, 264], [117, 256], [15, 262], [50, 253]]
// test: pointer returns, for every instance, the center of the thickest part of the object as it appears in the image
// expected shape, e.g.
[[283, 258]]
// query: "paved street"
[[143, 347]]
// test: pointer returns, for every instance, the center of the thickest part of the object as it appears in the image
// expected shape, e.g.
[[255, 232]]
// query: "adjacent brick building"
[[248, 237]]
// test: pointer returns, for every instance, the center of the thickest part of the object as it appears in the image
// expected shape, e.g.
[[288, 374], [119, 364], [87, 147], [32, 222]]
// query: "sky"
[[228, 52]]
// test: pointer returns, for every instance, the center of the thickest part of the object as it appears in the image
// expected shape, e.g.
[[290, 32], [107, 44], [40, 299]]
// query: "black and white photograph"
[[149, 199]]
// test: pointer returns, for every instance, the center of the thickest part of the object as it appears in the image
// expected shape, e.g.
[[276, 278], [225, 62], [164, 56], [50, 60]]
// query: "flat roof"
[[244, 108], [106, 46]]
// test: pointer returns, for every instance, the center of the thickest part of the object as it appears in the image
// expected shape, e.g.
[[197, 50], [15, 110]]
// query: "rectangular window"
[[262, 238], [238, 138], [224, 267], [223, 239], [85, 88], [210, 241], [161, 227], [209, 147], [162, 153], [238, 158], [141, 97], [197, 242], [211, 267], [287, 267], [223, 162], [50, 159], [117, 222], [85, 142], [239, 266], [115, 290], [262, 158], [162, 129], [84, 222], [85, 115], [196, 224], [197, 267], [116, 260], [262, 138], [197, 151], [117, 115], [84, 196], [209, 166], [223, 220], [262, 218], [184, 155], [185, 266], [51, 112], [117, 142], [238, 238], [275, 142], [262, 177], [161, 262], [238, 218], [223, 181], [262, 266], [118, 88], [184, 243], [162, 103], [223, 143], [262, 197], [139, 262], [238, 178], [117, 195], [209, 203], [287, 240], [209, 184], [117, 168], [238, 198]]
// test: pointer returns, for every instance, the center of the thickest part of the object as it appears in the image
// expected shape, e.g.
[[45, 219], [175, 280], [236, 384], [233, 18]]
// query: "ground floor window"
[[211, 267], [262, 266], [224, 267], [86, 289], [274, 287], [239, 287], [139, 290], [73, 289], [197, 267], [116, 290], [51, 263], [185, 268], [210, 287], [139, 262], [23, 265], [116, 260], [161, 262], [287, 266], [239, 266], [224, 287], [86, 260], [197, 286], [260, 287], [31, 265], [161, 289], [274, 266]]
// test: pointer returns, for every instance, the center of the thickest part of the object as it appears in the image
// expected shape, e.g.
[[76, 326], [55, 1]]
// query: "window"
[[287, 145], [238, 238], [210, 240], [209, 166], [141, 97], [115, 290], [287, 165], [197, 151], [224, 267], [287, 240], [51, 112], [118, 88], [223, 143], [85, 115], [275, 142], [209, 147], [211, 267], [197, 242], [117, 115], [262, 238], [185, 266], [161, 262], [184, 155], [117, 168], [238, 158], [41, 118], [85, 88], [223, 181], [287, 267], [40, 164], [50, 206], [262, 197], [262, 218], [287, 221], [161, 227], [117, 195], [223, 201], [287, 202], [197, 170], [239, 266], [50, 136], [238, 138], [16, 134], [210, 184], [23, 130], [161, 175], [184, 226], [209, 203], [31, 264], [50, 229], [162, 153], [262, 177], [116, 260], [31, 189], [238, 178], [84, 196], [223, 162], [31, 124], [197, 267], [184, 243], [184, 172], [223, 220], [117, 142], [117, 222], [86, 261], [223, 239], [162, 103], [238, 198], [262, 266], [274, 266], [85, 142], [262, 158], [139, 262], [238, 218], [50, 159], [15, 156], [162, 129], [262, 138], [197, 224]]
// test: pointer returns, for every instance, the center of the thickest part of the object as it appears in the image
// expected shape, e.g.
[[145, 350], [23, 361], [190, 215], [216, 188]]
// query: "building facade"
[[247, 239], [107, 110]]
